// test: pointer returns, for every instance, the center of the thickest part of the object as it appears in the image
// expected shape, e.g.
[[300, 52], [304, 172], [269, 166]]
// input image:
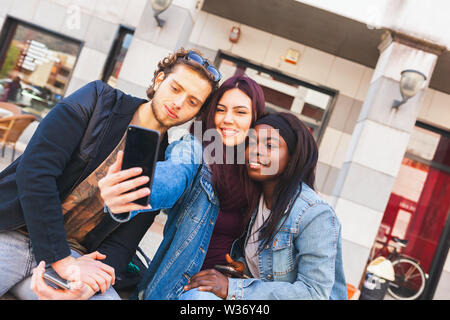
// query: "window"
[[419, 202], [117, 55], [35, 66], [311, 104]]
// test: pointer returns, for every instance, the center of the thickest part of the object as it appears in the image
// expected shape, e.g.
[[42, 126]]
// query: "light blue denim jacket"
[[182, 184], [304, 260]]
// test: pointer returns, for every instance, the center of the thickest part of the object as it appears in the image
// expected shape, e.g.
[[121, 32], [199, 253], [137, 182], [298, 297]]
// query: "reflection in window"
[[117, 55], [283, 93], [419, 202], [35, 66]]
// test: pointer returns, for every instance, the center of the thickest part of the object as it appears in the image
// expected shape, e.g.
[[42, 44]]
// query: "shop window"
[[310, 103], [419, 203], [117, 55], [35, 66]]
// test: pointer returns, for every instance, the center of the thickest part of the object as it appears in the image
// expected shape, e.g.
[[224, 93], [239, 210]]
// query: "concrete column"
[[377, 147], [152, 43]]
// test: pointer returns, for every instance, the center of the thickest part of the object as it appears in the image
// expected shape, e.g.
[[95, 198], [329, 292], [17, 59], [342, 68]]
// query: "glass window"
[[117, 55], [35, 66], [310, 103], [418, 206]]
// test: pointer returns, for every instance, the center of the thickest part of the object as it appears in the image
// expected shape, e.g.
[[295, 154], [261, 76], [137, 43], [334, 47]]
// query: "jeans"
[[17, 263], [194, 294]]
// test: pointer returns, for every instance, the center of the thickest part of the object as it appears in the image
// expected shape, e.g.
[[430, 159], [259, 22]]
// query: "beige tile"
[[341, 150], [364, 84], [315, 65], [354, 258], [252, 45], [187, 4], [278, 48], [378, 147], [5, 7], [134, 12], [100, 35], [426, 103], [345, 76], [24, 9], [111, 10], [215, 33], [439, 111], [89, 65], [359, 223], [86, 6], [199, 24], [133, 70], [329, 145]]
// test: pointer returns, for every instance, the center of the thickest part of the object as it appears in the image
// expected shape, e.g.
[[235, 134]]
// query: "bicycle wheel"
[[409, 280]]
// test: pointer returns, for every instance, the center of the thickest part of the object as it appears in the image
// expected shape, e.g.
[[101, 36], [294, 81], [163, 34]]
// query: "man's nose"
[[178, 102]]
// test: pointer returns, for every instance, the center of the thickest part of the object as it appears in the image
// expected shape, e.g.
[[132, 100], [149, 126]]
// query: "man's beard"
[[156, 113]]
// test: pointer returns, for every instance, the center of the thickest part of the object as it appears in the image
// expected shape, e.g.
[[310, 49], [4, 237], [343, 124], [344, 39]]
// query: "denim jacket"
[[304, 260], [182, 184]]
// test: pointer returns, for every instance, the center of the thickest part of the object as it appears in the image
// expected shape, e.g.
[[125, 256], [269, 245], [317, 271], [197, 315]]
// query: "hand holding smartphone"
[[141, 150], [230, 271], [55, 281]]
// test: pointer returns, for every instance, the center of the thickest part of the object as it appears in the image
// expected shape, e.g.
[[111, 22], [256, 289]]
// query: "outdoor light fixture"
[[235, 33], [158, 7], [410, 83]]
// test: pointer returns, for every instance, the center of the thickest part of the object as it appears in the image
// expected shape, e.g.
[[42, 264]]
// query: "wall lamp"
[[411, 82], [159, 6]]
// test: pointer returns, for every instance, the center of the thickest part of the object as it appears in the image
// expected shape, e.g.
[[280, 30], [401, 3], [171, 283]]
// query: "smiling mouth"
[[170, 113], [256, 165], [228, 132]]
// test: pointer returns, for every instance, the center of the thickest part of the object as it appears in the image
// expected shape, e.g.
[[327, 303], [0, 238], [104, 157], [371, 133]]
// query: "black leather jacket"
[[69, 143]]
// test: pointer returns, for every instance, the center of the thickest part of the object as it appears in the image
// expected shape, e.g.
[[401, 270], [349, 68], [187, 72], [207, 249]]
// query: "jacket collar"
[[127, 104]]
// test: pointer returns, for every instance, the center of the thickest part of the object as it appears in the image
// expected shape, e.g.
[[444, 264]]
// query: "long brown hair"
[[223, 173]]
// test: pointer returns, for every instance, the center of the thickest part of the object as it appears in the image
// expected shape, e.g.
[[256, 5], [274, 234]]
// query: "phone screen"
[[141, 150]]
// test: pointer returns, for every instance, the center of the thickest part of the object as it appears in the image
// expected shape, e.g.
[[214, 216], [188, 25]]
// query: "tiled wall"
[[95, 22], [351, 79]]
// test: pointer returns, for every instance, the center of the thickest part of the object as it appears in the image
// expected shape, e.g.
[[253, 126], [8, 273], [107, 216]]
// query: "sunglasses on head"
[[193, 56]]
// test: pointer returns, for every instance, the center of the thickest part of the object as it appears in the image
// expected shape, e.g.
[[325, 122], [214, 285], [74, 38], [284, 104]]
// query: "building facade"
[[386, 171]]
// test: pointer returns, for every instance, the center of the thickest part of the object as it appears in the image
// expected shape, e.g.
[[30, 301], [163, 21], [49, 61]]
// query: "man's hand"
[[209, 280], [78, 290], [88, 270], [115, 187]]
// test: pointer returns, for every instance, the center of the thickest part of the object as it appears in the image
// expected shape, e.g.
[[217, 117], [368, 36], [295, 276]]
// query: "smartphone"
[[230, 271], [141, 150], [56, 281]]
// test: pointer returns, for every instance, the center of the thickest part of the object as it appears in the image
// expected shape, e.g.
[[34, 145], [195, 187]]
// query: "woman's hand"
[[209, 280], [78, 290], [115, 187]]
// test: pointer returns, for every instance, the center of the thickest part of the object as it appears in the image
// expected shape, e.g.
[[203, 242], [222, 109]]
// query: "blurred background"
[[370, 78]]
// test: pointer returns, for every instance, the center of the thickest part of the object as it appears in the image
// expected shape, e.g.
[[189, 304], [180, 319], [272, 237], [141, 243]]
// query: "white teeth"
[[254, 164], [229, 132]]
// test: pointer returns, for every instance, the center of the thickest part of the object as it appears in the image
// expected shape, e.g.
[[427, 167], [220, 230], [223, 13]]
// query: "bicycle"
[[410, 278]]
